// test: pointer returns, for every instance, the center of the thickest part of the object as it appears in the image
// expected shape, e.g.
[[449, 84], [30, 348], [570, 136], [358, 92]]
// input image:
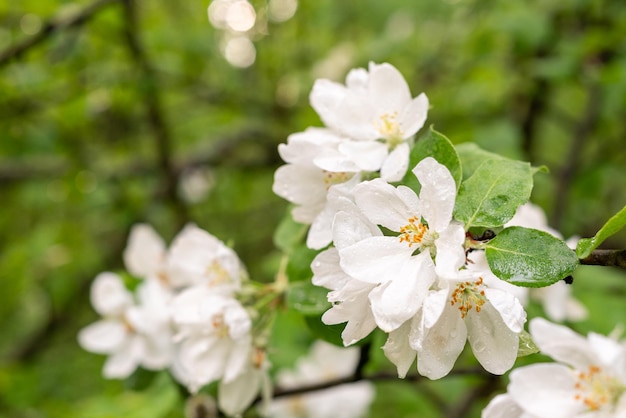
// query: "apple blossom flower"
[[375, 110], [349, 296], [589, 379], [465, 308], [402, 266], [313, 171], [197, 257], [235, 396], [133, 333], [213, 336], [325, 362]]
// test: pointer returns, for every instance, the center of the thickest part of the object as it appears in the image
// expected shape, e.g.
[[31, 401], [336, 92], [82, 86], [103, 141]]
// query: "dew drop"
[[478, 347]]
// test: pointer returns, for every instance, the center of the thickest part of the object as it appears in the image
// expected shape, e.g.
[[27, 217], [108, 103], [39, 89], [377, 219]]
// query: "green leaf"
[[289, 234], [526, 345], [328, 333], [529, 257], [299, 263], [493, 193], [612, 226], [472, 156], [441, 149], [307, 298]]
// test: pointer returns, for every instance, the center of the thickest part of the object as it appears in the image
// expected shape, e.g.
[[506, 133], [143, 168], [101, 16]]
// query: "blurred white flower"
[[213, 336], [197, 257], [133, 333], [324, 363], [588, 381]]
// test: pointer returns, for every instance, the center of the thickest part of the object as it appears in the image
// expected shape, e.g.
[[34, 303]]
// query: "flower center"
[[219, 326], [416, 232], [389, 129], [217, 274], [332, 178], [468, 295], [596, 389]]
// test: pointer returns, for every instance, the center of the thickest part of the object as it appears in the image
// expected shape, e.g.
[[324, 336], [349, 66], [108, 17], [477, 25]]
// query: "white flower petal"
[[509, 308], [442, 343], [396, 164], [398, 350], [494, 345], [109, 296], [438, 193], [125, 360], [103, 337], [450, 255], [375, 259], [399, 299], [502, 406], [414, 115], [350, 227], [387, 88], [236, 396], [545, 390], [561, 343], [385, 205], [366, 155], [144, 255]]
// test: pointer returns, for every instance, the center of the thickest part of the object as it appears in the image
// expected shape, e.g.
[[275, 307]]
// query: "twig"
[[155, 116], [53, 25], [608, 258], [463, 408]]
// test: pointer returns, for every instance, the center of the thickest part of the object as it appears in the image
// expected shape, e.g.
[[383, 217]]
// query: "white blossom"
[[133, 333], [588, 381], [423, 224], [197, 257], [213, 332], [375, 110]]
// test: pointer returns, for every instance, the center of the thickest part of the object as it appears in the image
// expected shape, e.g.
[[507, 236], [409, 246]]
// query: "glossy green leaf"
[[289, 234], [472, 156], [307, 298], [328, 333], [529, 257], [493, 193], [438, 146], [587, 245]]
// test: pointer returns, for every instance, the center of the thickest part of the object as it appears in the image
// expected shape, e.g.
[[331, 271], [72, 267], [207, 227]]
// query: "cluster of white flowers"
[[588, 381], [184, 316], [398, 261], [414, 283], [324, 363], [370, 123]]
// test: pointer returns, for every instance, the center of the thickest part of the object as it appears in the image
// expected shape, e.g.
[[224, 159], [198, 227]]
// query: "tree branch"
[[155, 116], [50, 27], [607, 258]]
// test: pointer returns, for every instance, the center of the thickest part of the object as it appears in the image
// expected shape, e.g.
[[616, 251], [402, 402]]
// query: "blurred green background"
[[119, 111]]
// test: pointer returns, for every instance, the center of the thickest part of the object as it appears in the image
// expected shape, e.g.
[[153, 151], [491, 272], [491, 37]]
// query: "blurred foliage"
[[100, 121]]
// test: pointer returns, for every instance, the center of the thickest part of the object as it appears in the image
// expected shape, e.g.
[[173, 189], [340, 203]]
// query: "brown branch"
[[50, 27], [155, 116], [607, 258]]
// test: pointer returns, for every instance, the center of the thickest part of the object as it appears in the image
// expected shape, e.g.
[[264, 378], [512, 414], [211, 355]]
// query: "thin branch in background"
[[572, 162], [463, 408], [156, 118], [52, 26]]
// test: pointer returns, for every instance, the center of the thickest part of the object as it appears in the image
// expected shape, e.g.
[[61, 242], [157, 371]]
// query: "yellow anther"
[[413, 232], [468, 295]]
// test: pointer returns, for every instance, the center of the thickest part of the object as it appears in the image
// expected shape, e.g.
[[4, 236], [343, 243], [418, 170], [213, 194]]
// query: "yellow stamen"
[[468, 295]]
